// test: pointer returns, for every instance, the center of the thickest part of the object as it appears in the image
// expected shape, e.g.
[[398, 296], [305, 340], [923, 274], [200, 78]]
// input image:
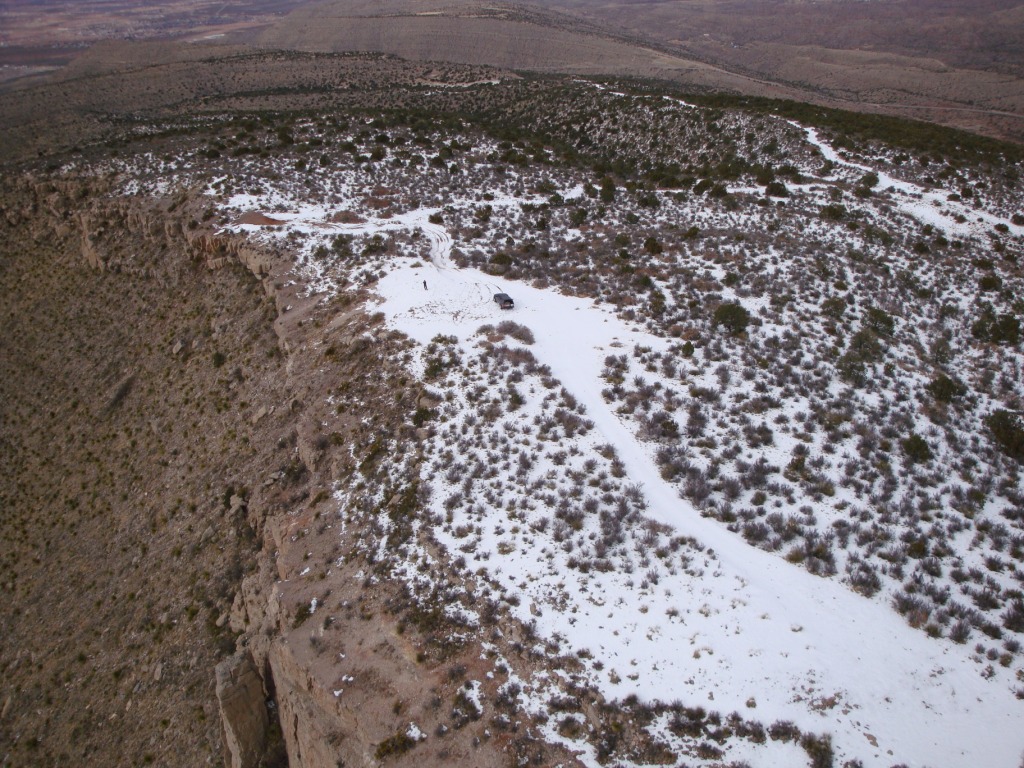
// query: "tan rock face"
[[243, 711], [311, 731]]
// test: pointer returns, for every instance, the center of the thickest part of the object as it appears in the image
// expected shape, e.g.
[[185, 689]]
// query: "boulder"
[[243, 711]]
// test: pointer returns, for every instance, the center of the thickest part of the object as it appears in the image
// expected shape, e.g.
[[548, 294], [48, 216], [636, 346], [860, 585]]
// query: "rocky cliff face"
[[243, 711], [348, 685], [132, 374], [145, 241]]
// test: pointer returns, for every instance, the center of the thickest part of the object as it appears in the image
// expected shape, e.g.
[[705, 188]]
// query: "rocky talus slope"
[[168, 460]]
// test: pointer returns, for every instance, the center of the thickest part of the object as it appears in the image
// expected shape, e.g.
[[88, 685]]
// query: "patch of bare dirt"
[[259, 219]]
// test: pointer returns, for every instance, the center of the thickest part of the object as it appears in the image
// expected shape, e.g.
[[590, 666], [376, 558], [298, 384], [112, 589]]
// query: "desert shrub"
[[833, 212], [689, 722], [914, 608], [1008, 433], [375, 244], [342, 245], [819, 749], [916, 448], [940, 351], [733, 317], [395, 745], [865, 346], [989, 283], [869, 179], [756, 532], [697, 488], [816, 555], [776, 189], [441, 354], [864, 578], [945, 389], [879, 321], [960, 632], [661, 426], [873, 233], [833, 307], [851, 370], [1013, 619], [422, 416], [652, 246], [516, 331], [696, 420], [998, 329], [784, 730], [607, 193]]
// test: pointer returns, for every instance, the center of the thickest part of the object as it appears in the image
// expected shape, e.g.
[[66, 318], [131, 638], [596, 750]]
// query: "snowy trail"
[[775, 631], [928, 207], [440, 245]]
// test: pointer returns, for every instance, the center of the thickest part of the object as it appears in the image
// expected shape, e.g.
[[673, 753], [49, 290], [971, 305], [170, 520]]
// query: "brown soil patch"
[[253, 217], [377, 203], [347, 217]]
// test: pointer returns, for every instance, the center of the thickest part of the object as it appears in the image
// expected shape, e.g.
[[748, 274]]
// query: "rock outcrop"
[[96, 218], [313, 729], [243, 711]]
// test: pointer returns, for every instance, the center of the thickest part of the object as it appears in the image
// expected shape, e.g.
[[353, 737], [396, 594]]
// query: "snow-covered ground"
[[926, 206], [531, 464], [750, 626]]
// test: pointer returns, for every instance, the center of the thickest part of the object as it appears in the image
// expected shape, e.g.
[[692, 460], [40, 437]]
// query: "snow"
[[473, 692], [769, 629], [741, 624], [807, 648], [927, 206]]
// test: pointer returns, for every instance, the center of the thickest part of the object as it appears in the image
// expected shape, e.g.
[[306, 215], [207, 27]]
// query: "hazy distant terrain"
[[973, 34], [946, 54], [953, 62], [38, 35]]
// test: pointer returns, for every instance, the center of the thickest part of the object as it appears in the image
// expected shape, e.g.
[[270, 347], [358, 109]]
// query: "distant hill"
[[955, 62], [495, 34], [955, 65]]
